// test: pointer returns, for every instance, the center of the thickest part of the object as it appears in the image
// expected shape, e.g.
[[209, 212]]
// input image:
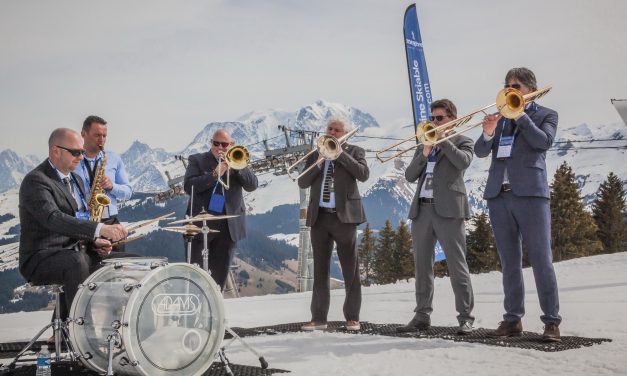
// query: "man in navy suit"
[[518, 195]]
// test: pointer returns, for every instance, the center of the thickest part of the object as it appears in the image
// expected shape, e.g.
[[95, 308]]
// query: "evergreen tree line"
[[575, 232]]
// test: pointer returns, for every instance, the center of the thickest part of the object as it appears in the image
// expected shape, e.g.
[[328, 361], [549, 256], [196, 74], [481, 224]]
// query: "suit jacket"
[[449, 191], [350, 166], [47, 217], [199, 174], [526, 168]]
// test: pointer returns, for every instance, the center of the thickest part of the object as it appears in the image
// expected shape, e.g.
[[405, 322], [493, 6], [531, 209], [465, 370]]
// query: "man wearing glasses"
[[438, 211], [518, 195], [55, 222], [201, 179], [115, 181]]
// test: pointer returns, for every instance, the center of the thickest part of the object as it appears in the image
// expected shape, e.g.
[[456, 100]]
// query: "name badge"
[[505, 147], [82, 215], [430, 167]]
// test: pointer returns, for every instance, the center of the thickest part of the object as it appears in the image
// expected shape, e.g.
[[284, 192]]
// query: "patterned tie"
[[68, 185], [328, 183]]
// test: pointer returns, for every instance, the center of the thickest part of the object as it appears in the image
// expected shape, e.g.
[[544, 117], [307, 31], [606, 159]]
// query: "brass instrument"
[[237, 158], [509, 102], [328, 147], [98, 199]]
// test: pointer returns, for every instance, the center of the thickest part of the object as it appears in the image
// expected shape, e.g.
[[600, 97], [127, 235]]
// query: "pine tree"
[[366, 255], [403, 251], [573, 231], [607, 211], [383, 268], [480, 246]]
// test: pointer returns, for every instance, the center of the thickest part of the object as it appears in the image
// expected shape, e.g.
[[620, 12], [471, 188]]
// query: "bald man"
[[54, 220], [202, 175]]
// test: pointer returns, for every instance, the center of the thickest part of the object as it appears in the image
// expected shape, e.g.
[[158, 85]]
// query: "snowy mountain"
[[13, 168], [386, 193]]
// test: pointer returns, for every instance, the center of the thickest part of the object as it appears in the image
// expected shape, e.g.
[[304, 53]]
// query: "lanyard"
[[88, 172], [74, 184]]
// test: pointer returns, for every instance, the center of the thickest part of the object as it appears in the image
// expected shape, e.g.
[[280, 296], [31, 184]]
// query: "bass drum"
[[168, 319]]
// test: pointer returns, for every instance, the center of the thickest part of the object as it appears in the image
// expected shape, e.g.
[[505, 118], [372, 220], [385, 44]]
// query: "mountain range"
[[386, 193]]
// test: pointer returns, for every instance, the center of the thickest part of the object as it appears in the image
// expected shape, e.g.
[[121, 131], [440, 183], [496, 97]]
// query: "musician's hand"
[[220, 169], [489, 124], [102, 247], [113, 232], [426, 150], [106, 183]]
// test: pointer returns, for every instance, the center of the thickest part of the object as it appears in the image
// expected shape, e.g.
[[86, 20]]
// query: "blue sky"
[[158, 71]]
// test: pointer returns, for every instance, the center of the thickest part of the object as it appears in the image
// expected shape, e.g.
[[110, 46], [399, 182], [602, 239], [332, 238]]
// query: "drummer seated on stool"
[[54, 220]]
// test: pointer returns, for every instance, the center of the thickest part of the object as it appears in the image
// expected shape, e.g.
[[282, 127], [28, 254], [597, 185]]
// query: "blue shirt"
[[116, 172]]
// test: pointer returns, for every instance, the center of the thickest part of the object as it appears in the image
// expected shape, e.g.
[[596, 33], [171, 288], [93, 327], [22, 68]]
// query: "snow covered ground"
[[593, 296]]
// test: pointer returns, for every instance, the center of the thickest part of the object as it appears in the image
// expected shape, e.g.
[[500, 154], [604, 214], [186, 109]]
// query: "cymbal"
[[187, 229], [202, 217]]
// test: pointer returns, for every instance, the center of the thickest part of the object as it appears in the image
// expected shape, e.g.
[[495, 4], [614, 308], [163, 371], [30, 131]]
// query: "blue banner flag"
[[417, 67]]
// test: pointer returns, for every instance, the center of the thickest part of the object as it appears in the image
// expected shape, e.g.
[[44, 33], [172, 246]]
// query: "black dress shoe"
[[413, 326]]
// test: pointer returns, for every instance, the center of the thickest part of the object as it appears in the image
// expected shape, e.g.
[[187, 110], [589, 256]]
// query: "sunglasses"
[[513, 86], [74, 152], [438, 118], [223, 144]]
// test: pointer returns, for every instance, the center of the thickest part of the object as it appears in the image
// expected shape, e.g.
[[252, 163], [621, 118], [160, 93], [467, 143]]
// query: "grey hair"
[[59, 135], [348, 126], [524, 75]]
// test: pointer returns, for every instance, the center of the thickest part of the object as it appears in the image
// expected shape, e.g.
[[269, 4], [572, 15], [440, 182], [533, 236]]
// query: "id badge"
[[505, 147], [82, 215], [216, 204], [430, 167]]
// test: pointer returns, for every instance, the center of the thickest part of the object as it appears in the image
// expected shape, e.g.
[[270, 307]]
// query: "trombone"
[[510, 103], [237, 158], [327, 146]]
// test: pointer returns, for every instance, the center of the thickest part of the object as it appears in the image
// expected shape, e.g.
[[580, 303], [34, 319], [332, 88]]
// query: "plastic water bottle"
[[43, 362]]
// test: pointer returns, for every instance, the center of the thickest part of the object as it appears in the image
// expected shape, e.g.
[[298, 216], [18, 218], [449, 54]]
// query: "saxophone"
[[98, 199]]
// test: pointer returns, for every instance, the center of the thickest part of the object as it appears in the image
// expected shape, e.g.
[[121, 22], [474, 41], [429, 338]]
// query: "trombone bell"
[[328, 147], [510, 103], [425, 133], [237, 157]]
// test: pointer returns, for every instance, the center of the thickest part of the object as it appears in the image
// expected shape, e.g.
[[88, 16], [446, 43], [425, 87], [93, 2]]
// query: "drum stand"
[[61, 334], [225, 361]]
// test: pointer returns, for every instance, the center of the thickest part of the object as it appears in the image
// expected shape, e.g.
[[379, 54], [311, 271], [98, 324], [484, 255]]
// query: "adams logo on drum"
[[176, 305]]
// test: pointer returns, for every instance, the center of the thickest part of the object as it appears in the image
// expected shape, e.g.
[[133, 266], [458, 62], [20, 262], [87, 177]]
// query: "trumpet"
[[237, 158], [510, 103], [328, 147]]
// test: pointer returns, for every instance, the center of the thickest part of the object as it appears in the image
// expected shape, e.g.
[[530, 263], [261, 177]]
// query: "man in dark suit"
[[54, 220], [202, 174], [518, 195], [438, 211], [335, 210]]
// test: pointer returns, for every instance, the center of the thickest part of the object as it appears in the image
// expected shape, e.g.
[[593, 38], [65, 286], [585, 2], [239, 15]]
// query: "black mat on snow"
[[528, 340], [68, 370]]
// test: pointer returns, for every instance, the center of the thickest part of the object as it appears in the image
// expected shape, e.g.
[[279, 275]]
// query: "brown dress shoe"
[[551, 333], [507, 329]]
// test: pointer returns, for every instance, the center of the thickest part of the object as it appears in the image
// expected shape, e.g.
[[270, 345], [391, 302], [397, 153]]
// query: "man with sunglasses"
[[115, 181], [335, 210], [438, 211], [517, 192], [55, 222], [209, 195]]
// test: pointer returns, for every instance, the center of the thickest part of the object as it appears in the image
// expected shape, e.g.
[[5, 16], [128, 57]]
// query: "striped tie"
[[68, 185], [328, 184]]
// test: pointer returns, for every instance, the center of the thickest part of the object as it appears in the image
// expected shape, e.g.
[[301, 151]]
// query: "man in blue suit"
[[518, 195]]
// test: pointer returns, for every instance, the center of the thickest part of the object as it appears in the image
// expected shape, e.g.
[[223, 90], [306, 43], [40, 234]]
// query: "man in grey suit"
[[202, 174], [438, 212], [334, 211], [518, 195], [54, 220]]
